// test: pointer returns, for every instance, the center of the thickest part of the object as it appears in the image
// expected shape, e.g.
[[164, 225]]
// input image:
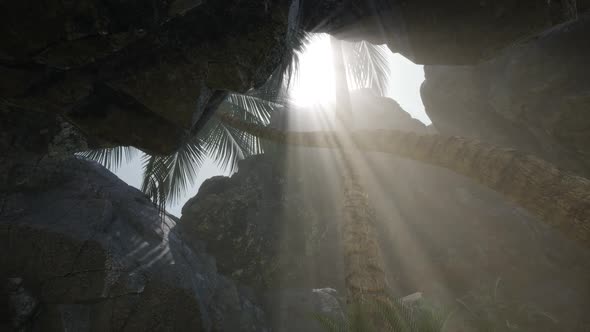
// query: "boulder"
[[456, 32], [533, 97], [243, 217], [145, 73], [82, 251], [136, 72]]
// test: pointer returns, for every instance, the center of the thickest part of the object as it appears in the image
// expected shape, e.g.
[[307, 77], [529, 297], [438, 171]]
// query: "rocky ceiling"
[[143, 73]]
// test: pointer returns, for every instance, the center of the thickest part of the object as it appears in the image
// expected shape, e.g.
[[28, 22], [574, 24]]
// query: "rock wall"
[[455, 32], [441, 234], [82, 251], [145, 73], [534, 97], [135, 72]]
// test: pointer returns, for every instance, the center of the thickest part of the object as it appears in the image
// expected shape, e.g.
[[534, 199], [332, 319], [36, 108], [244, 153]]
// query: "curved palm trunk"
[[561, 199], [363, 264]]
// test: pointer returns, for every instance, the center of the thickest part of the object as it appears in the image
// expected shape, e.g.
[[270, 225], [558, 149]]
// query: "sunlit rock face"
[[82, 251], [264, 235], [275, 224], [534, 97], [135, 72], [456, 32], [270, 234]]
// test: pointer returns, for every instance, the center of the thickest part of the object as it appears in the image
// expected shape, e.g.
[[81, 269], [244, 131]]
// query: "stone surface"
[[533, 97], [143, 73], [125, 70], [456, 32], [244, 217], [441, 234], [82, 251]]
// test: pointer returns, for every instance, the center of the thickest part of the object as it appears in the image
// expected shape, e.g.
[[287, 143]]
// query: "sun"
[[313, 89], [314, 84]]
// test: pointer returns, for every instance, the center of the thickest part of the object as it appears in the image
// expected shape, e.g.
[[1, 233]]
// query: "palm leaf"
[[395, 314], [167, 178], [154, 177], [260, 108], [329, 323], [111, 158], [380, 316], [367, 65], [183, 168], [359, 318], [288, 68], [226, 145]]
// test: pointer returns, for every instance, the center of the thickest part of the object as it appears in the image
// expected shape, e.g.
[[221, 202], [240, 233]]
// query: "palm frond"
[[288, 69], [488, 310], [329, 323], [111, 158], [154, 178], [183, 167], [360, 318], [227, 145], [396, 315], [260, 108], [167, 178], [367, 65], [392, 316]]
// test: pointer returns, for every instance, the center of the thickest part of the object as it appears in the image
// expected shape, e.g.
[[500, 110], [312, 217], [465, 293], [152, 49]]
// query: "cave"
[[257, 206]]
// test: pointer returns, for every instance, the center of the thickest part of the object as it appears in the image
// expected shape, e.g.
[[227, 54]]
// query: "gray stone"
[[533, 97], [133, 72], [144, 73], [86, 252], [455, 32]]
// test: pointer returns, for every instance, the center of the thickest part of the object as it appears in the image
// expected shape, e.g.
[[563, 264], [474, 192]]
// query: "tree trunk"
[[363, 263], [561, 199]]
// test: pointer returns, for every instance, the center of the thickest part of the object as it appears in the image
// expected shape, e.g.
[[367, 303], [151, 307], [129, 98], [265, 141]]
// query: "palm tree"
[[559, 198], [167, 178], [364, 275]]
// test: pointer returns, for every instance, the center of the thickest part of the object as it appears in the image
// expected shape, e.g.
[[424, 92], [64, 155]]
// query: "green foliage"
[[166, 178], [367, 66], [288, 69], [111, 158], [227, 145], [488, 311], [391, 316]]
